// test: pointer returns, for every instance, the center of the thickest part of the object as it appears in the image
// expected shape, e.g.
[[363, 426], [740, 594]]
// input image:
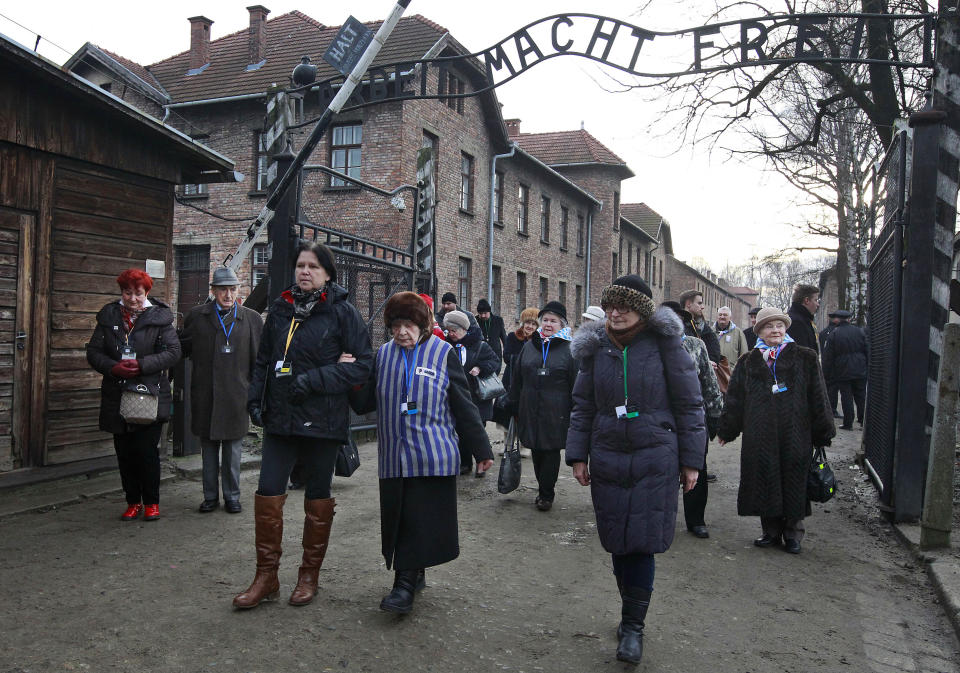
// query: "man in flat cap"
[[845, 356], [222, 338]]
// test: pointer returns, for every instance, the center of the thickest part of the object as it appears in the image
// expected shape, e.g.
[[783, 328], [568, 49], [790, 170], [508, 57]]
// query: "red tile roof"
[[135, 68], [288, 37], [568, 147]]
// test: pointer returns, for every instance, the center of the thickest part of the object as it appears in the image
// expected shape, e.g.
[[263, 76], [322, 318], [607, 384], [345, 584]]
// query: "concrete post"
[[938, 500]]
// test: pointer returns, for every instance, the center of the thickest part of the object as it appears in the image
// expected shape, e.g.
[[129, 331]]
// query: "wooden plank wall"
[[103, 222]]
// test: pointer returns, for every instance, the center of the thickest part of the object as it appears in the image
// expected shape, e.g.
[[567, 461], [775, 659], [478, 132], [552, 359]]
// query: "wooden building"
[[86, 190]]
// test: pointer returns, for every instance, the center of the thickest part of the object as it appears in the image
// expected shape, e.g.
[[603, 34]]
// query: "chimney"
[[257, 42], [513, 127], [199, 41]]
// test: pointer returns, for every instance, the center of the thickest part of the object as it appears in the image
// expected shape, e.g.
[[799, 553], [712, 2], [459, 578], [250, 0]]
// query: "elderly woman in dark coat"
[[636, 435], [778, 400], [541, 385], [478, 359], [134, 344], [298, 394], [424, 411]]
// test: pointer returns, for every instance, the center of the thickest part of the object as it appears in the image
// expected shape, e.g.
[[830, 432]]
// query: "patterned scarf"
[[303, 301], [731, 326], [130, 315], [562, 334], [770, 353]]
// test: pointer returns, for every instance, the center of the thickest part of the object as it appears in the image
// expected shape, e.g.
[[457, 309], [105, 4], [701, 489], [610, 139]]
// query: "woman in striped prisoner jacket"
[[424, 411]]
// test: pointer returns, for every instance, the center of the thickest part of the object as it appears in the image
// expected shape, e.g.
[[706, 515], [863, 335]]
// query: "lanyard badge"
[[545, 351], [777, 387], [227, 348], [409, 407], [627, 411], [284, 367]]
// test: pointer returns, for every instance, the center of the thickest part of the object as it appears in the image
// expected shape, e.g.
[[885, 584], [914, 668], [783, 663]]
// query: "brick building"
[[682, 277], [550, 202]]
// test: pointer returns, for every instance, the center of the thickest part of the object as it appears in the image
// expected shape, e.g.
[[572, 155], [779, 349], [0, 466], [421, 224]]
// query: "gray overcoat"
[[219, 383]]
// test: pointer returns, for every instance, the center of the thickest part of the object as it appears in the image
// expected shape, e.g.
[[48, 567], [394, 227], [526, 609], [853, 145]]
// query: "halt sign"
[[348, 46]]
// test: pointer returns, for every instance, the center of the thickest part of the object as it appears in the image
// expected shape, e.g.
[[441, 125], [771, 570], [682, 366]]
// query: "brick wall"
[[680, 278]]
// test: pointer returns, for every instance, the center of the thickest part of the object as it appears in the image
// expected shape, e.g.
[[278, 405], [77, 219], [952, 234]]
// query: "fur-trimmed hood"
[[587, 340]]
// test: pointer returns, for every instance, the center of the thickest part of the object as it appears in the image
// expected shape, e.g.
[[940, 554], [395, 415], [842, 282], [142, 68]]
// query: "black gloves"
[[713, 424], [299, 388], [256, 416]]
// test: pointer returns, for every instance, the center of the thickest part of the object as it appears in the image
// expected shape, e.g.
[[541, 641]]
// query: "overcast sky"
[[720, 210]]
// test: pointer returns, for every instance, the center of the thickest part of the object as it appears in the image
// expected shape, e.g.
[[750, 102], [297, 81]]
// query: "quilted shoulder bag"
[[490, 387], [139, 404]]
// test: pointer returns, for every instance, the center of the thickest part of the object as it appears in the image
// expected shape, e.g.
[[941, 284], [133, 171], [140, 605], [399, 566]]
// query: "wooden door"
[[16, 305]]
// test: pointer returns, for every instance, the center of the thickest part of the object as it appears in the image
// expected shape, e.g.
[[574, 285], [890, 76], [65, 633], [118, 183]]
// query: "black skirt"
[[418, 521]]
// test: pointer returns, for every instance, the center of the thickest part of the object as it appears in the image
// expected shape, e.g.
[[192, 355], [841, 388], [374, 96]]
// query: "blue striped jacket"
[[422, 444]]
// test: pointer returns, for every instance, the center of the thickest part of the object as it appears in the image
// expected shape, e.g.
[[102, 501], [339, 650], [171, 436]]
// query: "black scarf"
[[304, 302]]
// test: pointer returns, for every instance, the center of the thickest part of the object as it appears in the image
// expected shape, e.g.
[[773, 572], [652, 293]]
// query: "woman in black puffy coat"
[[298, 394], [636, 434], [134, 344]]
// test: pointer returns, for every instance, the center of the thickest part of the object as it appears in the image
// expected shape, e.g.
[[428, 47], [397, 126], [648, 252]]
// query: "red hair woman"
[[133, 346]]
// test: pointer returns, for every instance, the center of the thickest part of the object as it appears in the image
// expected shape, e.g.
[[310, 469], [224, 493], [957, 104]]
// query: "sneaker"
[[151, 513], [133, 511]]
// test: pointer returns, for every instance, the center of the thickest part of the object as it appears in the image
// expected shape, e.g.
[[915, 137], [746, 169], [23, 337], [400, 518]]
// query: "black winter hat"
[[554, 307], [448, 296], [483, 306], [754, 311], [631, 291]]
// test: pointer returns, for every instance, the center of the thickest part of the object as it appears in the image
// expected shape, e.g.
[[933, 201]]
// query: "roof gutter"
[[211, 101], [493, 196]]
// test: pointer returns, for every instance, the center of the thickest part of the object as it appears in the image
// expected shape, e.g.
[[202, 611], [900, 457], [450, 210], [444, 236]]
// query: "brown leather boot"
[[316, 534], [268, 515]]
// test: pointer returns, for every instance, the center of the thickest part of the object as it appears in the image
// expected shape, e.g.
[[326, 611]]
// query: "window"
[[196, 190], [345, 145], [466, 182], [646, 264], [544, 290], [453, 85], [523, 209], [661, 273], [629, 257], [614, 268], [521, 293], [581, 235], [261, 161], [578, 304], [564, 226], [496, 282], [616, 210], [544, 219], [463, 282], [259, 265], [654, 270], [498, 198], [563, 293]]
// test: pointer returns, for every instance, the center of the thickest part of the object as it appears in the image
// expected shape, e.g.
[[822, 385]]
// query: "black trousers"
[[546, 466], [852, 393], [316, 457], [695, 500], [635, 570], [138, 457], [833, 392]]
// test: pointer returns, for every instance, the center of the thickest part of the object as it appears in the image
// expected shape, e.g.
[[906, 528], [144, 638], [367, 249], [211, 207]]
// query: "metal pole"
[[938, 500]]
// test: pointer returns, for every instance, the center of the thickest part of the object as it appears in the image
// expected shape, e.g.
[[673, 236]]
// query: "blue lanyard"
[[408, 368], [776, 355], [223, 327], [545, 349]]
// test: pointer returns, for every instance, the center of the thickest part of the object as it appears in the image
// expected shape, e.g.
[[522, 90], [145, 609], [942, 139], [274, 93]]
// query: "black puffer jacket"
[[845, 354], [155, 341], [478, 354], [542, 403], [333, 327], [635, 463]]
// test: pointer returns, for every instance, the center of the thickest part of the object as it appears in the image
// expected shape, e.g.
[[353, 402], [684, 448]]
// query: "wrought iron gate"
[[884, 293]]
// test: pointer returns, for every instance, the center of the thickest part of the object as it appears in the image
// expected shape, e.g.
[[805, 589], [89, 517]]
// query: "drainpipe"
[[493, 196], [589, 253]]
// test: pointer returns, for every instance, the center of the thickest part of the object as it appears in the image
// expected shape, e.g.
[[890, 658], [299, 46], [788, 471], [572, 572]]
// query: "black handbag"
[[490, 387], [348, 459], [509, 477], [821, 484]]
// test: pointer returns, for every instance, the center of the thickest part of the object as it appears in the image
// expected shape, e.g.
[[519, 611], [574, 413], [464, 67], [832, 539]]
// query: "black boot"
[[400, 599], [634, 612]]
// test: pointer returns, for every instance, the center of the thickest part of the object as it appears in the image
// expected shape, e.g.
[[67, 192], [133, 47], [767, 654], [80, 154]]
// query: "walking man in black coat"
[[803, 330], [749, 333], [833, 390], [491, 329], [448, 302], [845, 364], [692, 302]]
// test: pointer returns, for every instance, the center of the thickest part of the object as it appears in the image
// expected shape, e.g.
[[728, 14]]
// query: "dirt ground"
[[531, 591]]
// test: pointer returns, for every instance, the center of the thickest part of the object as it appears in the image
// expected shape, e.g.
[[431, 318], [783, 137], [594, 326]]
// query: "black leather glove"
[[299, 388], [256, 416]]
